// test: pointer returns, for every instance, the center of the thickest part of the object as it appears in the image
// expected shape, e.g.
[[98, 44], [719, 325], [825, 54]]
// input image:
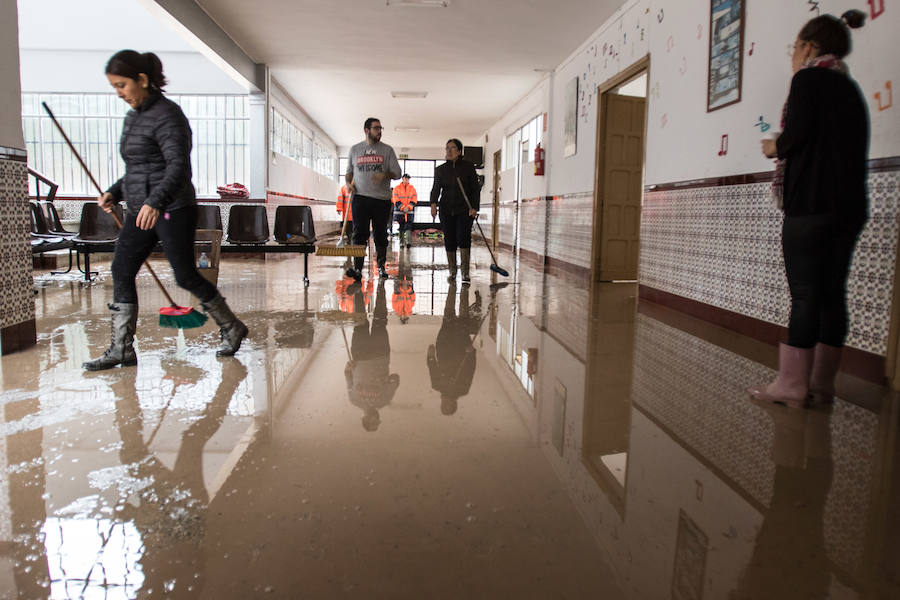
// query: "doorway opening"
[[619, 174]]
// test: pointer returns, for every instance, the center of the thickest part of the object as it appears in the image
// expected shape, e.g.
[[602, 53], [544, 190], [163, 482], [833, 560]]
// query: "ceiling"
[[340, 59]]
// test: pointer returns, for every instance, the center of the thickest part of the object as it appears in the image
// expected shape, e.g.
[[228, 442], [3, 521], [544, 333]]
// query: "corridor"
[[523, 439]]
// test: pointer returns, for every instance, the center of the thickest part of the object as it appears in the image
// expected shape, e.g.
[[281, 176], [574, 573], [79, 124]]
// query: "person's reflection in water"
[[370, 384], [789, 559], [171, 508], [451, 359]]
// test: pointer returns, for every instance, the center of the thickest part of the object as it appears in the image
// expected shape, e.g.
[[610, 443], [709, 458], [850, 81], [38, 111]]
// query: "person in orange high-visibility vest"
[[345, 293], [404, 298], [404, 200], [343, 203]]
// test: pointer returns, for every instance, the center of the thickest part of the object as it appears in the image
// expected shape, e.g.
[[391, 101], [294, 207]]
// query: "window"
[[221, 139], [529, 135], [289, 140]]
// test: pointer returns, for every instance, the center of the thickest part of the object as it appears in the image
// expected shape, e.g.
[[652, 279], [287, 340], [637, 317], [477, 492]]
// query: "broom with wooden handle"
[[340, 249], [174, 316]]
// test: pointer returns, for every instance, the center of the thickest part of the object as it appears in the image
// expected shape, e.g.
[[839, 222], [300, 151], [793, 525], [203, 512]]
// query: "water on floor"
[[530, 437]]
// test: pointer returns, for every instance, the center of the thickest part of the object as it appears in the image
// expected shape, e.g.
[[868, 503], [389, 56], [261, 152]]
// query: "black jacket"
[[446, 188], [156, 148], [826, 143]]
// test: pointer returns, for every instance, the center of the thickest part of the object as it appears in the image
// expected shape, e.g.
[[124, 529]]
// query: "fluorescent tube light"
[[397, 94], [419, 3]]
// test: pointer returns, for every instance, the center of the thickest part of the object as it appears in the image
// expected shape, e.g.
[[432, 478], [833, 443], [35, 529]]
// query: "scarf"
[[826, 61]]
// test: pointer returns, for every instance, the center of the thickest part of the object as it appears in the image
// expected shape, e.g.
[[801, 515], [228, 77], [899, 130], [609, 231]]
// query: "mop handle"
[[100, 191], [480, 230]]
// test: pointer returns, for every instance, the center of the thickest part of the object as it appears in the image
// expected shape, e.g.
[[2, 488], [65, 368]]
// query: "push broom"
[[174, 316], [340, 249], [494, 266]]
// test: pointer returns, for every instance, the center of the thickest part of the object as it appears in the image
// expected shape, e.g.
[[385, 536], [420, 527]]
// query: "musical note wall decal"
[[752, 46], [723, 145], [875, 12], [670, 43], [763, 126], [890, 97]]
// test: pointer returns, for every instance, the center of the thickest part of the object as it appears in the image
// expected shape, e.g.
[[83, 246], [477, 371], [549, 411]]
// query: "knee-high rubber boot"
[[121, 346], [791, 386], [355, 271], [826, 363], [464, 254], [232, 330], [451, 265], [381, 259]]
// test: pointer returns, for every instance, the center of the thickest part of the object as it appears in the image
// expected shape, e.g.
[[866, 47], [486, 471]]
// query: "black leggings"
[[457, 230], [817, 253], [176, 231]]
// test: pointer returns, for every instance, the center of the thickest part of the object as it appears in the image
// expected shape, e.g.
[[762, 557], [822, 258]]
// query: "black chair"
[[97, 232], [51, 218], [209, 217], [42, 240], [247, 225], [294, 225]]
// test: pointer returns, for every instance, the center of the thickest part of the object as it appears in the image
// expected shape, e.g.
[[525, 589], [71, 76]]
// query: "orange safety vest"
[[405, 195], [346, 299], [403, 300], [343, 200]]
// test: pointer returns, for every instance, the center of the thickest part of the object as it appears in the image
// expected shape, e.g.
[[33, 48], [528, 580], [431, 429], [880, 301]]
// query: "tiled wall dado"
[[569, 223], [697, 392], [16, 283], [722, 246], [533, 226]]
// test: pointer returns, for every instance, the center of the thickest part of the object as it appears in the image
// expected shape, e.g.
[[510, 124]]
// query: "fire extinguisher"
[[538, 160]]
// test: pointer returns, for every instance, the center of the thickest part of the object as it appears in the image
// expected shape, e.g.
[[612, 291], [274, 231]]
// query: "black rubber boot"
[[381, 258], [121, 346], [464, 254], [451, 264], [356, 270], [231, 328]]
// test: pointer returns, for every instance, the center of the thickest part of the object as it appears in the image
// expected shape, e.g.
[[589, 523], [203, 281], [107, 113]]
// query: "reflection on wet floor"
[[411, 438]]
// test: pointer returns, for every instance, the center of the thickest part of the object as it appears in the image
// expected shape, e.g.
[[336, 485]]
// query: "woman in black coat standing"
[[820, 179], [160, 205]]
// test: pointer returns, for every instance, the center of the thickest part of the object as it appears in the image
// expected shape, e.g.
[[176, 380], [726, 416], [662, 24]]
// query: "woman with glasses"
[[820, 184]]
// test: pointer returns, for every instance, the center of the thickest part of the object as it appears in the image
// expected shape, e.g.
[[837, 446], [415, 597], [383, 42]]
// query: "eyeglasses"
[[376, 128]]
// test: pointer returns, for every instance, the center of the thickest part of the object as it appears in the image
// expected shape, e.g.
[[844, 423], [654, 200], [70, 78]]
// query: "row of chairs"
[[246, 225]]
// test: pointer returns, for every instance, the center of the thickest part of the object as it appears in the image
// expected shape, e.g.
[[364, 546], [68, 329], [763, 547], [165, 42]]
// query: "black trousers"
[[366, 209], [176, 230], [817, 251], [405, 220], [457, 230]]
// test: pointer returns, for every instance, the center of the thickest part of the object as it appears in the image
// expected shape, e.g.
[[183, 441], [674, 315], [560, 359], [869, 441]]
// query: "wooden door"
[[622, 156]]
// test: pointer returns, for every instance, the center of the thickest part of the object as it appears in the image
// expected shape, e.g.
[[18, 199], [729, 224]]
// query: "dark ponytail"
[[128, 63], [832, 35]]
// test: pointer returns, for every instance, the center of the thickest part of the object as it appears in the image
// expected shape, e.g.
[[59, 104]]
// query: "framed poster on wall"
[[570, 127], [726, 53]]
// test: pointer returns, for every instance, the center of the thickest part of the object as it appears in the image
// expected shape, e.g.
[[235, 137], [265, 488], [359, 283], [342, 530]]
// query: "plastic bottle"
[[203, 261]]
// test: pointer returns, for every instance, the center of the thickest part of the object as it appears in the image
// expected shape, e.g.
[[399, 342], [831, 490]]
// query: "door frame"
[[622, 77], [495, 225]]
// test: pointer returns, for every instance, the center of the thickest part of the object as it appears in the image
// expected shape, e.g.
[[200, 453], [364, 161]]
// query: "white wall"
[[683, 140], [10, 92], [81, 71], [289, 176]]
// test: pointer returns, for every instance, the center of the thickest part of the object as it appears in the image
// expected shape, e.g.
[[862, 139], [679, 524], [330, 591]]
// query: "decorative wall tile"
[[569, 224], [16, 283], [722, 246], [698, 392]]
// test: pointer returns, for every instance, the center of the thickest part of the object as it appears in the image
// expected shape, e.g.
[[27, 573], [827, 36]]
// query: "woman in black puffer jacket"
[[160, 205]]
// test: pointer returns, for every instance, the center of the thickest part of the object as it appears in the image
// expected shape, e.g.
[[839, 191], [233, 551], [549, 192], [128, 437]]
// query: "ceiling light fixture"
[[406, 129], [419, 3], [397, 94]]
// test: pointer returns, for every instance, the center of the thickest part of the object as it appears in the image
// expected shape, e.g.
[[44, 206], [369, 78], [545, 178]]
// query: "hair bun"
[[854, 18]]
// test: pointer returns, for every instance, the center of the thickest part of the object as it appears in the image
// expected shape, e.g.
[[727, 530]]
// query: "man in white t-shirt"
[[371, 168]]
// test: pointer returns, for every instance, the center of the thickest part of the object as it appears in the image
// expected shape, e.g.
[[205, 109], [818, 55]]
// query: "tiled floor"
[[469, 451]]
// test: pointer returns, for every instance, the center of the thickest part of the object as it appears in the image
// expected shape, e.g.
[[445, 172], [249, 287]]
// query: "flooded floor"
[[411, 438]]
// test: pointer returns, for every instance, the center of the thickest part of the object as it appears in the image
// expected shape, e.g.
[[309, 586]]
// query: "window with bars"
[[523, 140], [221, 139]]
